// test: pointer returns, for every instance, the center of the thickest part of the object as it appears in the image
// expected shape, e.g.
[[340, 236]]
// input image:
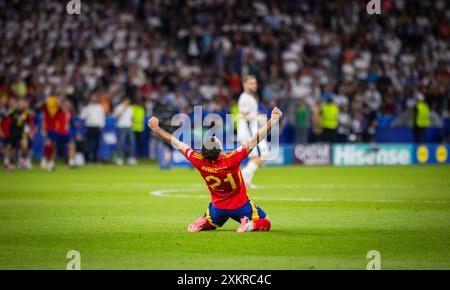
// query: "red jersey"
[[223, 177], [51, 120], [5, 124], [51, 111], [62, 122]]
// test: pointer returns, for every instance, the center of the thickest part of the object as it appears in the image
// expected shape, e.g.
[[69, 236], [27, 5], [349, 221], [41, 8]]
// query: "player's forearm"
[[170, 139], [262, 133], [164, 135]]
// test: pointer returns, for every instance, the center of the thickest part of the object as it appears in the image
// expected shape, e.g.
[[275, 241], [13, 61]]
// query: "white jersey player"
[[248, 125]]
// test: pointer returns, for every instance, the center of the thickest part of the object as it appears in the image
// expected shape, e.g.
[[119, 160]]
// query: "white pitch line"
[[168, 193]]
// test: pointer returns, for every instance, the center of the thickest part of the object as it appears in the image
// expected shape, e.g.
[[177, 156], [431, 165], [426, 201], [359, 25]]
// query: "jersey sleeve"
[[238, 155], [194, 157]]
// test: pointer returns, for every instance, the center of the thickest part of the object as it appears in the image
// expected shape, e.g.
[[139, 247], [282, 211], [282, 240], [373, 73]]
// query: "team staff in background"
[[421, 119], [124, 123], [94, 116], [139, 125], [330, 121]]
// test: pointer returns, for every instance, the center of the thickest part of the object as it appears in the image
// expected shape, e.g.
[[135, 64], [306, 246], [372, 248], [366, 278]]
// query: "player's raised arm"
[[264, 131], [153, 124]]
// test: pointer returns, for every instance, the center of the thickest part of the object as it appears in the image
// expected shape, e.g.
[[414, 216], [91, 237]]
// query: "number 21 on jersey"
[[214, 182]]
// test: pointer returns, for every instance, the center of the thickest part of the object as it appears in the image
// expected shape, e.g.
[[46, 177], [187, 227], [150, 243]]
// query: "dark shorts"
[[52, 136], [218, 217], [13, 141], [30, 143], [63, 140]]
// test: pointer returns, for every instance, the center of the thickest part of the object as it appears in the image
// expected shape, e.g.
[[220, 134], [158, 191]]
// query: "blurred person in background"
[[330, 120], [80, 144], [65, 144], [104, 98], [94, 116], [302, 121], [372, 97], [51, 111], [316, 122], [17, 128], [4, 127], [344, 128], [234, 111], [19, 87], [248, 125], [27, 129], [421, 118], [124, 123], [357, 127], [11, 134], [139, 125], [2, 115], [370, 123]]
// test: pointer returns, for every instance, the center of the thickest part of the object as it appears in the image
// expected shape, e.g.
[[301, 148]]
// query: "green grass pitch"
[[322, 218]]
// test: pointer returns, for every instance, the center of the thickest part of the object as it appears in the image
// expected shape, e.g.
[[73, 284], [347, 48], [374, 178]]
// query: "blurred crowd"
[[129, 59]]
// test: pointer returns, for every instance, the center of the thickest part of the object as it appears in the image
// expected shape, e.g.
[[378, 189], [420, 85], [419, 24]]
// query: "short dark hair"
[[212, 153]]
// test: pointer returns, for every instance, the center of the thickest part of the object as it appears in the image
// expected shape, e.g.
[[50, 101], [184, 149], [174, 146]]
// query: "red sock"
[[261, 225], [48, 151]]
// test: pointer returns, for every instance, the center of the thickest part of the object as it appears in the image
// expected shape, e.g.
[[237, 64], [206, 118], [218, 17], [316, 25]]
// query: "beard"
[[252, 91]]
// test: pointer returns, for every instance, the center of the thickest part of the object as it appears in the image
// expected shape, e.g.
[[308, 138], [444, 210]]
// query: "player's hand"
[[153, 123], [276, 113]]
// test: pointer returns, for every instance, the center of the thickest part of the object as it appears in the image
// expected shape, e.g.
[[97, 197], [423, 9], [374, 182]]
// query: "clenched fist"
[[276, 113], [153, 123]]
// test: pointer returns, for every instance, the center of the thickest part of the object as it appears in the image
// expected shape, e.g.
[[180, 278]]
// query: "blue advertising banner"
[[372, 154], [431, 154], [282, 156]]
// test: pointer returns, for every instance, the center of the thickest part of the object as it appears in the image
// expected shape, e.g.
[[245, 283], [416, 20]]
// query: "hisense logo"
[[73, 7], [367, 155], [374, 7]]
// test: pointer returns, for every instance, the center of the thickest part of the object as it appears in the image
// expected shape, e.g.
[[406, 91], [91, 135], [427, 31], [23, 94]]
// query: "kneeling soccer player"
[[223, 177]]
